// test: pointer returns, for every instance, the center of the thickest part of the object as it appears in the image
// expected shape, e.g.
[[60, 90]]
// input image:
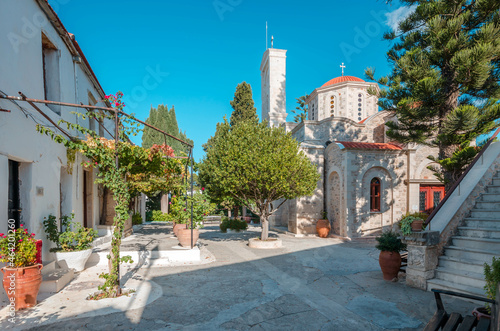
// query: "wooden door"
[[430, 197]]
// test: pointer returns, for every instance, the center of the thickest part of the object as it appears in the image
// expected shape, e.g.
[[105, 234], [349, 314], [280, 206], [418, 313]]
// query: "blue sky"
[[192, 54]]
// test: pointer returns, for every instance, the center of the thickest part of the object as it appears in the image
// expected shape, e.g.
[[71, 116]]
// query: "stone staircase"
[[461, 266]]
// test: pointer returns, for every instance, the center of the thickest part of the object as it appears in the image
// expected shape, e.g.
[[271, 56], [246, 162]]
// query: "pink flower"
[[170, 203], [1, 234], [184, 209], [20, 240], [203, 189], [21, 225], [32, 234]]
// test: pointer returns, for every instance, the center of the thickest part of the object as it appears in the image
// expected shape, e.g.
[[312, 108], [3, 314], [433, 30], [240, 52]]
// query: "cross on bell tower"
[[342, 66]]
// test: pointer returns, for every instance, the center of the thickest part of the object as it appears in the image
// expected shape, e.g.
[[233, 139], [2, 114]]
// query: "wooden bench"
[[454, 321]]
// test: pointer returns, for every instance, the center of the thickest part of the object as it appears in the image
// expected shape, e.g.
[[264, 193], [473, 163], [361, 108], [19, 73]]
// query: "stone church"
[[367, 181]]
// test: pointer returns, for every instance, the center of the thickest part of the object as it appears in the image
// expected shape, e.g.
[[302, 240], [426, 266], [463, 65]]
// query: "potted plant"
[[412, 223], [230, 225], [323, 226], [492, 278], [389, 259], [73, 244], [181, 213], [22, 275], [178, 213]]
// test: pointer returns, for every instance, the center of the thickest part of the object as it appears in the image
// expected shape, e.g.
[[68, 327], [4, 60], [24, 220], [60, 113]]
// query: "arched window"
[[375, 194]]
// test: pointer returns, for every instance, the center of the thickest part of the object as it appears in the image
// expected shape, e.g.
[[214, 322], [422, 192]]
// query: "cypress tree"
[[444, 83], [243, 105], [164, 119]]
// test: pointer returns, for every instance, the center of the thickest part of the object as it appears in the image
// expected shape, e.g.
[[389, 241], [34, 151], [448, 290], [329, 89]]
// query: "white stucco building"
[[367, 182], [42, 60]]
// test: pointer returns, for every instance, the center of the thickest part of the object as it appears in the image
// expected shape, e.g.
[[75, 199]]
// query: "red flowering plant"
[[18, 248]]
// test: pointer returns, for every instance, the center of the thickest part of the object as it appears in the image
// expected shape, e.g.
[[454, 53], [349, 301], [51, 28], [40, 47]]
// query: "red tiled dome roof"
[[342, 79]]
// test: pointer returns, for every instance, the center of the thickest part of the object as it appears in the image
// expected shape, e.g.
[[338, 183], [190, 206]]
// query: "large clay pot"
[[417, 225], [390, 263], [323, 228], [184, 236], [75, 260], [178, 226], [22, 285]]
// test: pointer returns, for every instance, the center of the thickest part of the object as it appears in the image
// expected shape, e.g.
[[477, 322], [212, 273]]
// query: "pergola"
[[22, 97]]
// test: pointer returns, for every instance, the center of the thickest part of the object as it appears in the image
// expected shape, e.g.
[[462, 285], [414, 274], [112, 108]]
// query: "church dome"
[[342, 79]]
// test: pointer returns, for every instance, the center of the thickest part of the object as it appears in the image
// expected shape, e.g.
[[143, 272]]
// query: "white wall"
[[21, 69]]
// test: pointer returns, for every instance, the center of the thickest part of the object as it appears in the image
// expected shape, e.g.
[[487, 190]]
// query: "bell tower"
[[273, 85]]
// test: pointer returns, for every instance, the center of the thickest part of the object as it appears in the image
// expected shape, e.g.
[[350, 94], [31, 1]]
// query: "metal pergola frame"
[[116, 112]]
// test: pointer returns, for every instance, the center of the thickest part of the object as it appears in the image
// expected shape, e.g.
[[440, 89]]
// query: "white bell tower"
[[273, 85]]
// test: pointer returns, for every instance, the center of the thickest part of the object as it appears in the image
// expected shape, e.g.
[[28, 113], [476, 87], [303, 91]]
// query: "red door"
[[430, 197]]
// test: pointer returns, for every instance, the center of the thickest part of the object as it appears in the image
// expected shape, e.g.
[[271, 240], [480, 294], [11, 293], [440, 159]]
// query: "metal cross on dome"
[[342, 66]]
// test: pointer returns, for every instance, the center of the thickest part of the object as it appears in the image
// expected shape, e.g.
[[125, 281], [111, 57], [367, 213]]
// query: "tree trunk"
[[265, 228], [236, 211], [452, 93]]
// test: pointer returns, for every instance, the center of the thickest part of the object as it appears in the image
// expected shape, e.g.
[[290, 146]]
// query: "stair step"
[[490, 197], [487, 205], [467, 278], [447, 262], [496, 181], [55, 280], [492, 233], [481, 256], [482, 222], [488, 213], [444, 285], [477, 243], [493, 189]]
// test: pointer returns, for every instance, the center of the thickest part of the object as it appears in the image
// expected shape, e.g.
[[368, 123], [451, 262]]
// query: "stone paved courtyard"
[[309, 284]]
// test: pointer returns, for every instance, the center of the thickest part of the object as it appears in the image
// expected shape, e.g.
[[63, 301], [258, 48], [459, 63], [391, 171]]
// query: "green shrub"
[[74, 236], [390, 242], [136, 219], [232, 224], [158, 216], [492, 277]]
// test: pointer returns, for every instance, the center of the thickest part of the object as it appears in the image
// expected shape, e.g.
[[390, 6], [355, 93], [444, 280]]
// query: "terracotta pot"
[[389, 262], [178, 226], [481, 312], [22, 285], [323, 228], [417, 225], [184, 236]]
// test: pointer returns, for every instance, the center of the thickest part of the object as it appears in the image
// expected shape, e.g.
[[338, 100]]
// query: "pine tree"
[[243, 105], [301, 109], [444, 83], [166, 120]]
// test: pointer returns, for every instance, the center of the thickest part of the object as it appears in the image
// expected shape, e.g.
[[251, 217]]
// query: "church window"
[[375, 194]]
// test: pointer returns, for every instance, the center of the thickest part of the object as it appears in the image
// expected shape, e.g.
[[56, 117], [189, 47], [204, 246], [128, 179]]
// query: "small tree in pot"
[[389, 259]]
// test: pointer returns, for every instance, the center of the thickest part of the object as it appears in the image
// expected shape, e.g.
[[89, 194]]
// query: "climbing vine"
[[139, 170]]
